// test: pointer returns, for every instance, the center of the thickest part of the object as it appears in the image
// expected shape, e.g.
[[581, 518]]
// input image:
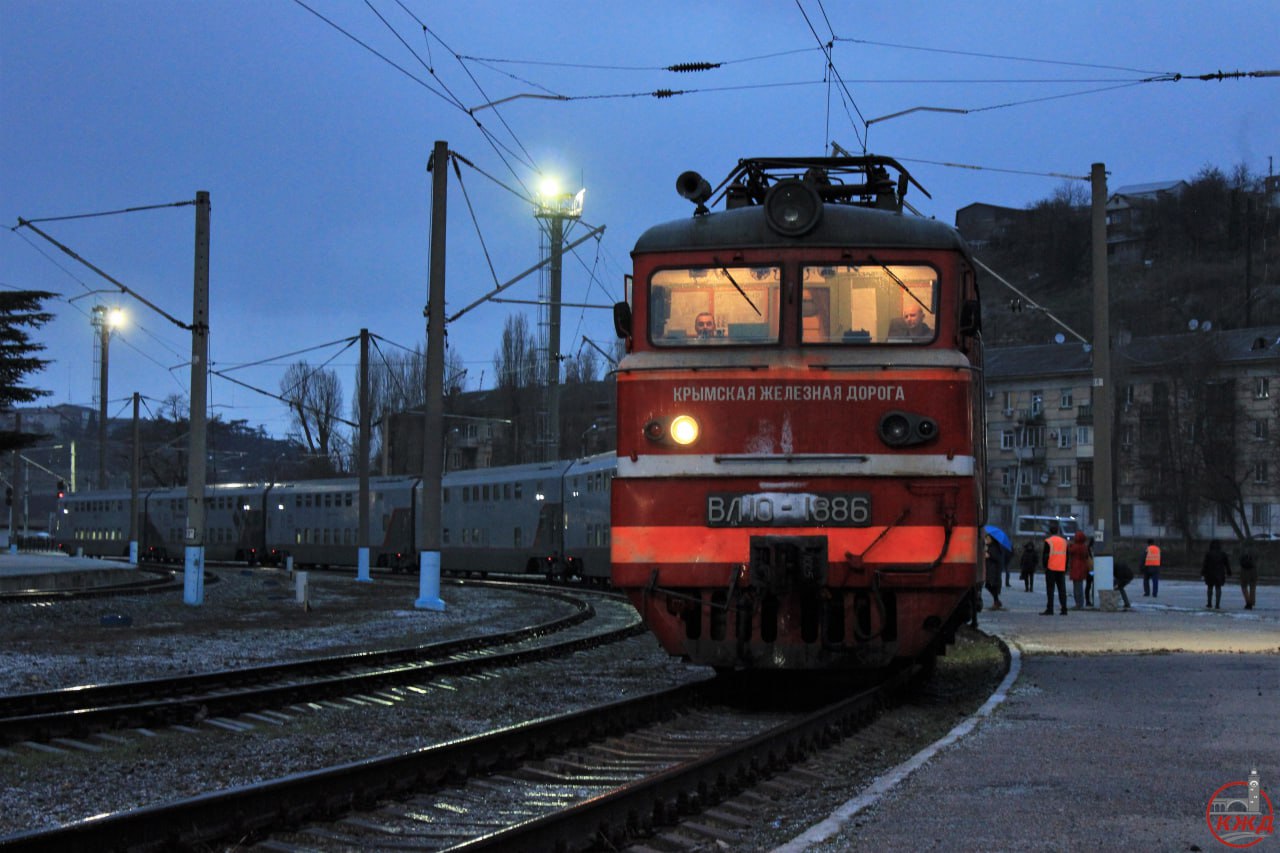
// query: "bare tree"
[[518, 361], [583, 367], [314, 396], [398, 383]]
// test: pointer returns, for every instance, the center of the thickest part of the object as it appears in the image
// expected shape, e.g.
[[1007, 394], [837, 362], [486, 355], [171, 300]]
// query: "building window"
[[1010, 400], [1006, 439], [1065, 399], [1084, 474], [1064, 439], [1084, 436], [1128, 395], [1064, 475], [1126, 435], [1126, 514], [1262, 516], [1260, 472], [1224, 514], [1033, 436], [1037, 402], [1261, 388], [1260, 429]]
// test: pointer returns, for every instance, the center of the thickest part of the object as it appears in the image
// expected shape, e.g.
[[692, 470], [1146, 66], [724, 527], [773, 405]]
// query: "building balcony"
[[1084, 414]]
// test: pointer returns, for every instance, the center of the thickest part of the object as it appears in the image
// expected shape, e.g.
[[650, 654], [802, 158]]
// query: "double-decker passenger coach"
[[800, 422]]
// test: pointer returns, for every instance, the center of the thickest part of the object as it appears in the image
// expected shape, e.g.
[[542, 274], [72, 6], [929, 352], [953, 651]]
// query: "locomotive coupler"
[[782, 563]]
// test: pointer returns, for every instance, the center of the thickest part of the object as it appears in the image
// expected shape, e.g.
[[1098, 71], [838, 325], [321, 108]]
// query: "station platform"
[[1114, 730], [52, 570]]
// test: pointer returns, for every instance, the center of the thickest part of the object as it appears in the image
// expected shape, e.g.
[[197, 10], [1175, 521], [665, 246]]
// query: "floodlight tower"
[[555, 208], [103, 320]]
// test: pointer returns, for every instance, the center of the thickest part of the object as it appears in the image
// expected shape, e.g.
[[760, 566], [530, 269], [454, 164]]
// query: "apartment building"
[[1195, 437]]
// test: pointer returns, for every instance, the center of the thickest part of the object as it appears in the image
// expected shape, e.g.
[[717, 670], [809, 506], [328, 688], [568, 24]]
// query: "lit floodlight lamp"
[[549, 187]]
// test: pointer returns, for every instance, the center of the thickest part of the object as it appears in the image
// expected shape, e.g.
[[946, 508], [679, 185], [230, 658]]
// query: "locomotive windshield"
[[840, 305], [869, 304], [715, 305]]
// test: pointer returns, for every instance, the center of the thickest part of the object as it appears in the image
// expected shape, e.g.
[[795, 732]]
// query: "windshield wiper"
[[734, 282], [899, 282]]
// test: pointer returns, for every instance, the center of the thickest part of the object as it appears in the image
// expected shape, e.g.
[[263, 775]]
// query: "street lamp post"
[[103, 320], [555, 207]]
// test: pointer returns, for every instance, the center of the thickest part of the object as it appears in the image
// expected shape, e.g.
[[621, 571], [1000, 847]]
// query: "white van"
[[1038, 525]]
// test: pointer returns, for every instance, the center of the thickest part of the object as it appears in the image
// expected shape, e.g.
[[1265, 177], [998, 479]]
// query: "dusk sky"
[[313, 144]]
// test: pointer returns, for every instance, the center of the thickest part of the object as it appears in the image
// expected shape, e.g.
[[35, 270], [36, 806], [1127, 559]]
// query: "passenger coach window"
[[719, 306], [872, 304]]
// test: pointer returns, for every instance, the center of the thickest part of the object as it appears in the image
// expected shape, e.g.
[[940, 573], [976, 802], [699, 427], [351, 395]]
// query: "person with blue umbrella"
[[1004, 542], [996, 556]]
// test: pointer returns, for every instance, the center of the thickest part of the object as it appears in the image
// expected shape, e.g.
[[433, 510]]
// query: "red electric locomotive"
[[800, 422]]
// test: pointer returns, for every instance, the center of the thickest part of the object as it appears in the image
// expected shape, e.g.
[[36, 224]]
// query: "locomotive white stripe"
[[796, 465]]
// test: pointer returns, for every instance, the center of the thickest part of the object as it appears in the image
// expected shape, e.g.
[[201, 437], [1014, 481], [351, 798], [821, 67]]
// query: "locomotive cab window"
[[871, 304], [716, 306]]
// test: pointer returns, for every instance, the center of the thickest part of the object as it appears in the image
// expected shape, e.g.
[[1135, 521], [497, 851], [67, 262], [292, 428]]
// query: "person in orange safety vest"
[[1151, 570], [1054, 558]]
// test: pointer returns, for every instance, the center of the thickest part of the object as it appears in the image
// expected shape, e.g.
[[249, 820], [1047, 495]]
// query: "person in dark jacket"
[[1249, 579], [1123, 574], [1027, 567], [1214, 570], [996, 557]]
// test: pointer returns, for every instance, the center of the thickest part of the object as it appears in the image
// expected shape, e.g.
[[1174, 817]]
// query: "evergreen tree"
[[21, 312]]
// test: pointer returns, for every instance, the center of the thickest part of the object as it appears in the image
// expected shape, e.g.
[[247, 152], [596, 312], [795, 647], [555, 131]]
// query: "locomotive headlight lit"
[[684, 430], [681, 430]]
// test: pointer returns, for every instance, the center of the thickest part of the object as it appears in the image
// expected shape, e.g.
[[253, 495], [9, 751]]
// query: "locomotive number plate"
[[789, 509]]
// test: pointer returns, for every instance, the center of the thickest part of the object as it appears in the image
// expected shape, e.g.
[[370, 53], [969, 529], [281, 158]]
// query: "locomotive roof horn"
[[694, 187]]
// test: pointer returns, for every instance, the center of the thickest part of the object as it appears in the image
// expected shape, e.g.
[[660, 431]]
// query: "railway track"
[[71, 714], [593, 779], [152, 580]]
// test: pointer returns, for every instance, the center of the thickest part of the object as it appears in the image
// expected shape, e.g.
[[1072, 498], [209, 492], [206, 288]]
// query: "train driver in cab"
[[704, 326], [912, 325]]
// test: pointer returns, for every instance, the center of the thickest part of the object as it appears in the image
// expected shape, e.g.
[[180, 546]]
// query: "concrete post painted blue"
[[133, 551], [362, 565], [288, 564], [429, 582], [193, 575]]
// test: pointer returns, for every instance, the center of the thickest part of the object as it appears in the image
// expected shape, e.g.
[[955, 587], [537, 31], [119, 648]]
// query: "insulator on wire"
[[681, 67]]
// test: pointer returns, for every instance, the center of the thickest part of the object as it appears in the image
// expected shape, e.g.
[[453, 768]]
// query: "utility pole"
[[1103, 393], [16, 486], [362, 533], [193, 565], [433, 416], [104, 345], [133, 484]]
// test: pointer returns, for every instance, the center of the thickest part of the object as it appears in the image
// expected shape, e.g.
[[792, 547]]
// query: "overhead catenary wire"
[[123, 289]]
